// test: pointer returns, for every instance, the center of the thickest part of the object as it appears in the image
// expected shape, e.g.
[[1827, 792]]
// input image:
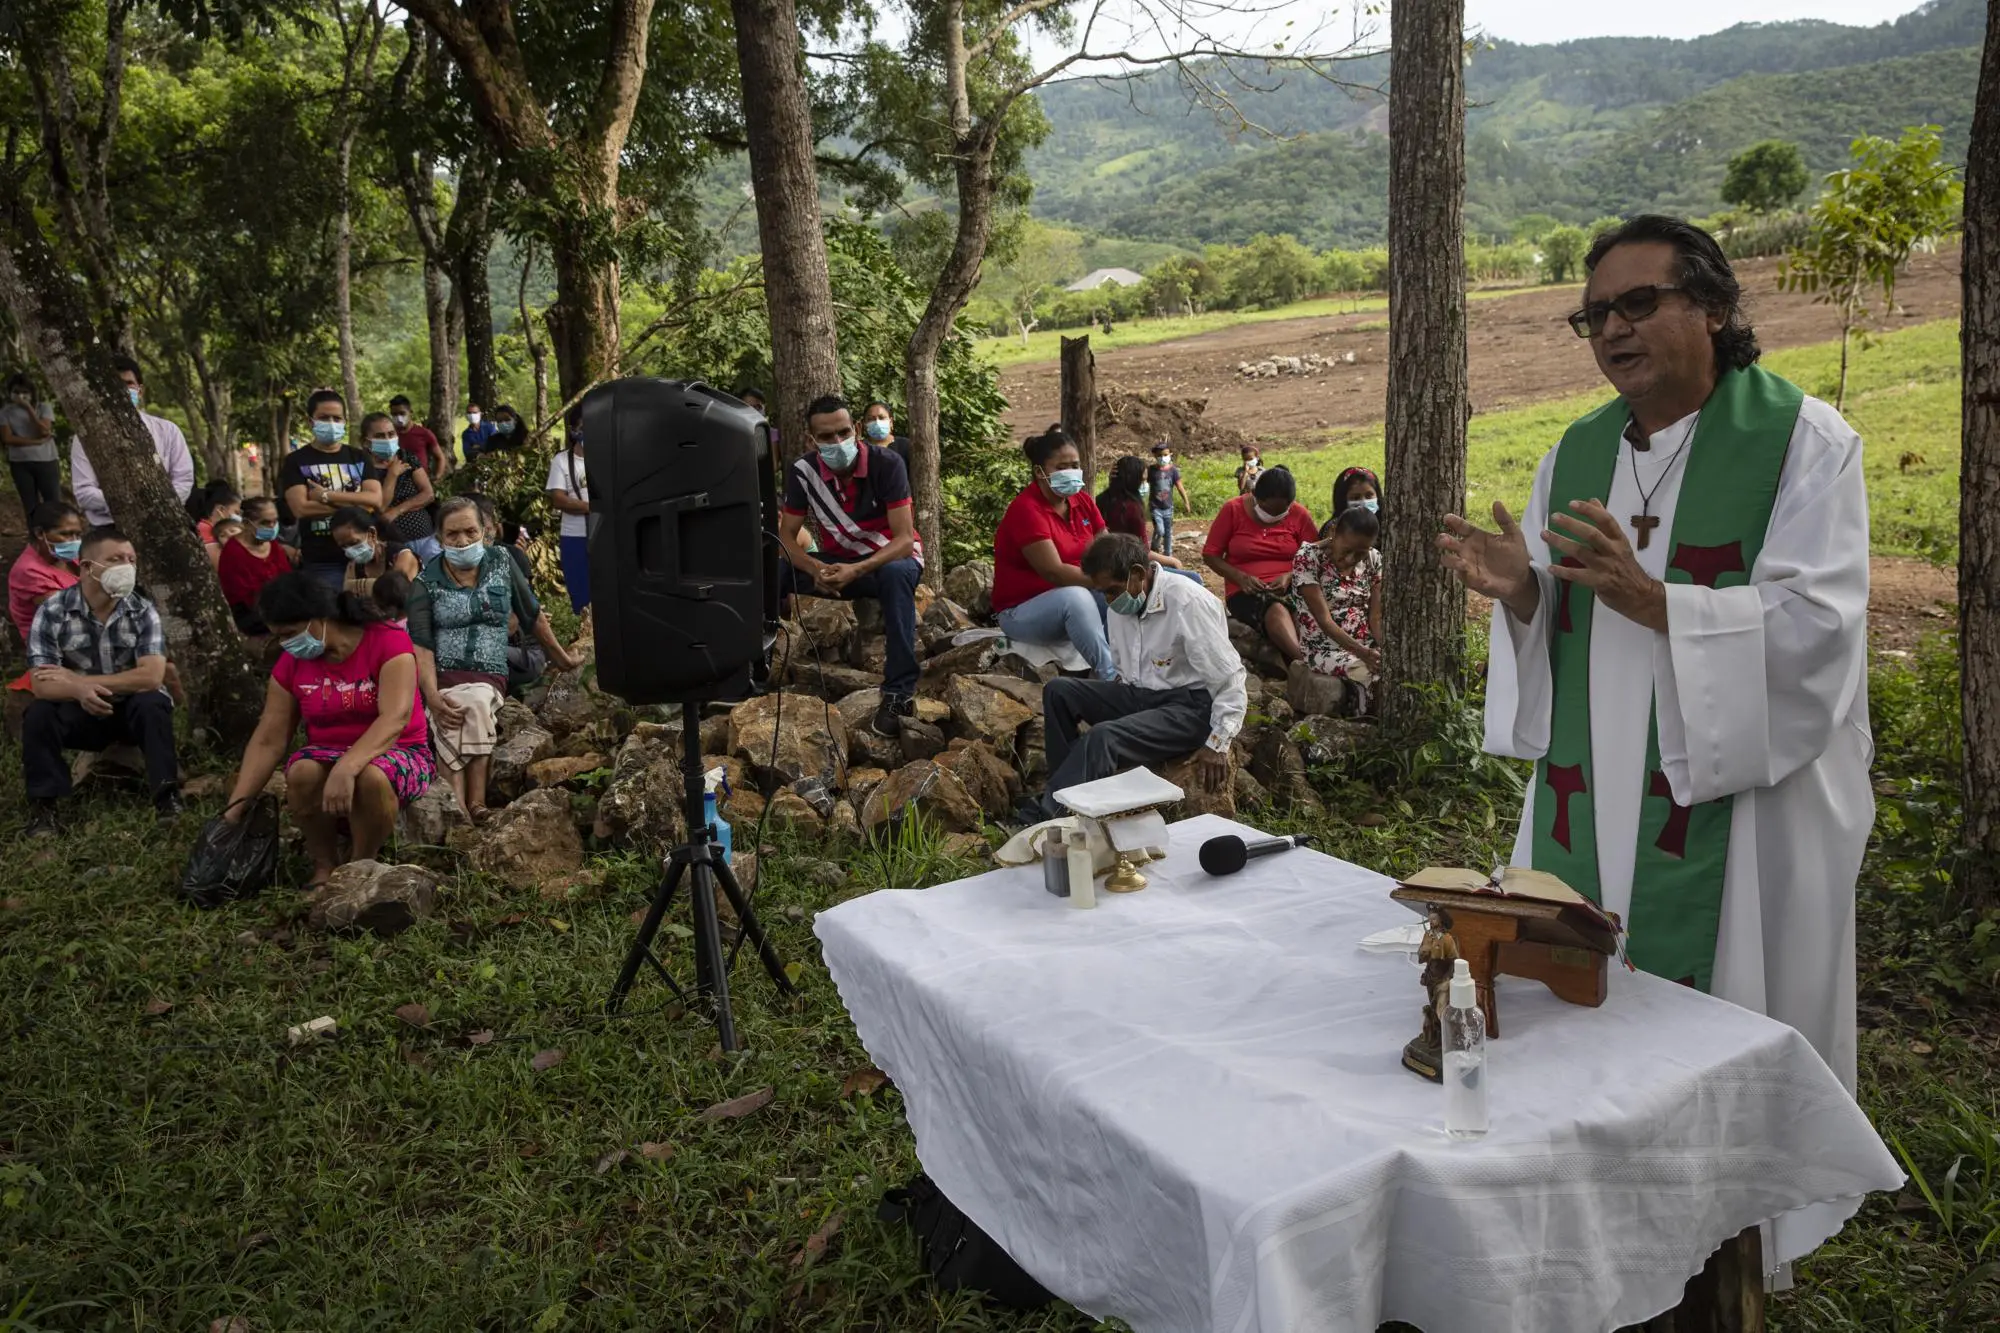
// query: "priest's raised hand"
[[1492, 564], [1596, 555]]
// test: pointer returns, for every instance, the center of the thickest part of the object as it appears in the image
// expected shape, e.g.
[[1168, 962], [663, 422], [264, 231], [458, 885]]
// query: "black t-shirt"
[[341, 469]]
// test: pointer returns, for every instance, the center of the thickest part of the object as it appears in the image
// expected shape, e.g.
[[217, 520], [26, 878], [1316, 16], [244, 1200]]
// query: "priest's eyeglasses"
[[1630, 306]]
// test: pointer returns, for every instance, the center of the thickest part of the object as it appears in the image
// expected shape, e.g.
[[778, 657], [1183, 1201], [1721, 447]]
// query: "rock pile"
[[573, 760], [1272, 367]]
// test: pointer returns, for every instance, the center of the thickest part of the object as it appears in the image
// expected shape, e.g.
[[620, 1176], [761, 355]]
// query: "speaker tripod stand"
[[699, 860]]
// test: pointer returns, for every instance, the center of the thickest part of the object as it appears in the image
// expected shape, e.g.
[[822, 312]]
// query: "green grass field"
[[1902, 397], [1046, 345]]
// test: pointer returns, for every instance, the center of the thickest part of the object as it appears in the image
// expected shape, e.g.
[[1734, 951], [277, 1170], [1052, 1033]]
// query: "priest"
[[1680, 645]]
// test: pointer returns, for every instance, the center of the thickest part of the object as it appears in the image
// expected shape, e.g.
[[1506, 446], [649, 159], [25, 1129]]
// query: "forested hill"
[[1579, 129]]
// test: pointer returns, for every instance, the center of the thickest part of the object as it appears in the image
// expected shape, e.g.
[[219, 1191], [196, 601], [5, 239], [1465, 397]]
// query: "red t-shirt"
[[418, 442], [243, 575], [338, 699], [1125, 515], [1259, 551], [1030, 519], [30, 583]]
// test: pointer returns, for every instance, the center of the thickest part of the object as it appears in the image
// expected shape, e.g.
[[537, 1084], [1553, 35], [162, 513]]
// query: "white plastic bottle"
[[1082, 888], [1464, 1057]]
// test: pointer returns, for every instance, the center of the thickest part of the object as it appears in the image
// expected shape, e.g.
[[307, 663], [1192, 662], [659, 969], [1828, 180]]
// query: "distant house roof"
[[1098, 277]]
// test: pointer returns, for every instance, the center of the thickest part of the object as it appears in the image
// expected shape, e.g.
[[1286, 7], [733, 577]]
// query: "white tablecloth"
[[1185, 1108]]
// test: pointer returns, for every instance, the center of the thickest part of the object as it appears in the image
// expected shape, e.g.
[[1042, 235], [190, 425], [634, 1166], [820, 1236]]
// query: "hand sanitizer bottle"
[[1464, 1057], [716, 779]]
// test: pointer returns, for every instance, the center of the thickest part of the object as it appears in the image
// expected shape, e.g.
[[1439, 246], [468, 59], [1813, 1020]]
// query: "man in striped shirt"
[[857, 496]]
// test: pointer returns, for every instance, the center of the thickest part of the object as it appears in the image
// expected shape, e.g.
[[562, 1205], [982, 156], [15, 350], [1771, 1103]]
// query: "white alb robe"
[[1762, 692]]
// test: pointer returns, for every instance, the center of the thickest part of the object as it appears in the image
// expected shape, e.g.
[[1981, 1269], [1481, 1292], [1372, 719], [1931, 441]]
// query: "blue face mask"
[[382, 448], [305, 645], [360, 553], [1126, 604], [878, 430], [330, 432], [466, 557], [1066, 480], [503, 428], [133, 394], [269, 534], [67, 550], [840, 455], [1370, 505]]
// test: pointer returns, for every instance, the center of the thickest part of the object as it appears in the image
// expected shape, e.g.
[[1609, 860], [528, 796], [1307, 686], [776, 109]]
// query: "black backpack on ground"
[[956, 1253]]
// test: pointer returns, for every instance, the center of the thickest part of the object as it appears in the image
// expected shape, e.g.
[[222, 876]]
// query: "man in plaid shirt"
[[98, 661]]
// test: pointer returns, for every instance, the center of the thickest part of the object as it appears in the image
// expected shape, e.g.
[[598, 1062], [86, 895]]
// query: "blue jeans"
[[1163, 530], [333, 576], [894, 586], [576, 571], [1075, 614]]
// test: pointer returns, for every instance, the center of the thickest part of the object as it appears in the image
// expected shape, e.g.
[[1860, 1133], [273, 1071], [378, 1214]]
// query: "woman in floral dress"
[[1336, 595]]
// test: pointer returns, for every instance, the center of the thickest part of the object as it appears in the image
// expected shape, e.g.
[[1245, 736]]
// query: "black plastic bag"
[[232, 861], [956, 1253]]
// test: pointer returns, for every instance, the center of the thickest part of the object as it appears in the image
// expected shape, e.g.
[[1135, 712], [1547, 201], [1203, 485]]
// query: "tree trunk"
[[538, 351], [454, 337], [798, 292], [1846, 333], [343, 276], [583, 322], [476, 298], [1079, 403], [1423, 608], [1979, 487], [217, 398], [223, 681], [442, 405]]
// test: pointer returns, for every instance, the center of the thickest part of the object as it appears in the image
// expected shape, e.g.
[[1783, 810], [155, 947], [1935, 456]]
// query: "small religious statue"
[[1437, 952]]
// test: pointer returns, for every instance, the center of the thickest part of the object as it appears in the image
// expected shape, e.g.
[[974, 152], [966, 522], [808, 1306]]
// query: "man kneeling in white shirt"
[[1179, 686]]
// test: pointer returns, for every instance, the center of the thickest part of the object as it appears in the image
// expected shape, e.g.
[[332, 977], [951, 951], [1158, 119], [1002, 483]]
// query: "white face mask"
[[1266, 515], [118, 580]]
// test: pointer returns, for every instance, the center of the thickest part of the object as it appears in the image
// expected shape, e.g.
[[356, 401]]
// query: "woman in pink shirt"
[[352, 679], [1251, 544], [47, 564]]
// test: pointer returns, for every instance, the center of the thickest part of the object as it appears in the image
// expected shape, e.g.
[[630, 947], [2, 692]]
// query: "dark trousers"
[[37, 483], [1128, 727], [894, 585], [333, 576], [144, 720], [576, 571]]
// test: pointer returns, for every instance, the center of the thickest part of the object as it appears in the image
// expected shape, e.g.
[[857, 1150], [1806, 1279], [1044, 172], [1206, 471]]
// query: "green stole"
[[1727, 493]]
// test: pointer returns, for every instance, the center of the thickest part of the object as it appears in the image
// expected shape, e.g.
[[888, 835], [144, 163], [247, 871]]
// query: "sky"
[[1254, 23]]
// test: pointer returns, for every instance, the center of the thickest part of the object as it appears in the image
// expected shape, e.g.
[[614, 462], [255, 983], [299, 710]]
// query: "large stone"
[[508, 778], [783, 742], [1186, 773], [945, 618], [831, 679], [1032, 756], [1328, 740], [428, 820], [1256, 651], [829, 625], [857, 710], [872, 751], [986, 708], [372, 896], [641, 804], [964, 659], [1250, 793], [555, 772], [862, 782], [919, 740], [971, 586], [572, 706], [715, 733], [791, 813], [1312, 694], [988, 779], [513, 718], [932, 789], [844, 823], [1278, 764], [530, 841]]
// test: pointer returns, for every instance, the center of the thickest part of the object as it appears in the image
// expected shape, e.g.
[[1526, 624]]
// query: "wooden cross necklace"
[[1644, 521]]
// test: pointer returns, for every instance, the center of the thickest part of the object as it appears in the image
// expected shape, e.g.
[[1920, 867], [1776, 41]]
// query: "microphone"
[[1228, 854]]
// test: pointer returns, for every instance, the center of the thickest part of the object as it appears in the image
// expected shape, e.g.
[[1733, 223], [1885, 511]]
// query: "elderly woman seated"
[[459, 607], [1040, 592], [1251, 545], [352, 679]]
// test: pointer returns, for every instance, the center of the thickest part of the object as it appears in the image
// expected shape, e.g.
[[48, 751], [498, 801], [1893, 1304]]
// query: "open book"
[[1513, 882]]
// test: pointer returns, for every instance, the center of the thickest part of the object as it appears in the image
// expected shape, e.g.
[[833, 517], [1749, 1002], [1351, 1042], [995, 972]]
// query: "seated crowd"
[[397, 624]]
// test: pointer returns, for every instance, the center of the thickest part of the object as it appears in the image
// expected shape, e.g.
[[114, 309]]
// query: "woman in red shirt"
[[1040, 594], [251, 559], [352, 680], [1251, 545]]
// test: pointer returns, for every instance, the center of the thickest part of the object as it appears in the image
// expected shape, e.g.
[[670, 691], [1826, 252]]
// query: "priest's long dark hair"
[[1702, 271]]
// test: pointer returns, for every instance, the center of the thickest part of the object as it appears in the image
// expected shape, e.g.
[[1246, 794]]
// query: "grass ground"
[[518, 1161], [1902, 396], [1046, 345]]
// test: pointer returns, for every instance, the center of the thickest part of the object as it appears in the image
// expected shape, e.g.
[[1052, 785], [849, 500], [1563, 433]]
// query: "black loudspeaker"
[[682, 491]]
